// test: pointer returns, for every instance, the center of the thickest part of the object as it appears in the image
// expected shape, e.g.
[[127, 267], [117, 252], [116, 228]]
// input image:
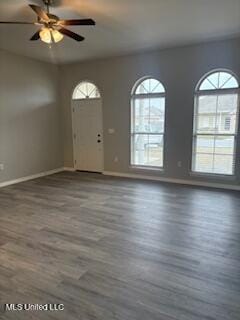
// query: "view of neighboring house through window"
[[215, 124], [147, 124], [227, 123]]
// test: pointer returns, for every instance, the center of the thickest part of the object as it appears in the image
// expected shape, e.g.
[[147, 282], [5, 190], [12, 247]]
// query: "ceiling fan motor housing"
[[48, 2]]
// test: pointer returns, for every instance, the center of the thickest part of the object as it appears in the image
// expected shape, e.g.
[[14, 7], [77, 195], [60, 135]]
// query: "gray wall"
[[30, 130], [179, 70]]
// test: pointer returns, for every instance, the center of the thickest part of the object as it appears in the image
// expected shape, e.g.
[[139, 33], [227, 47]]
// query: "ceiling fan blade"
[[71, 34], [77, 22], [40, 12], [36, 36], [16, 22]]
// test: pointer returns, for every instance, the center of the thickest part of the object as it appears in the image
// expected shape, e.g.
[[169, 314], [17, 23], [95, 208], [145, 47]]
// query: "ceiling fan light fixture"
[[57, 36], [49, 35], [52, 28]]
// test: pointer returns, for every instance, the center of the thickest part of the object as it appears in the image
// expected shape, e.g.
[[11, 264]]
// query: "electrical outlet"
[[1, 166], [116, 159], [179, 164], [111, 130]]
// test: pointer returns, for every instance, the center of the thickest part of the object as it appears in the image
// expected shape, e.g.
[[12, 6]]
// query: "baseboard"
[[170, 180], [126, 175], [69, 169], [34, 176]]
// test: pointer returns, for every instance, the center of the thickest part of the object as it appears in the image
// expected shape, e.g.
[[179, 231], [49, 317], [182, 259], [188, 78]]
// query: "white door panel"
[[88, 135]]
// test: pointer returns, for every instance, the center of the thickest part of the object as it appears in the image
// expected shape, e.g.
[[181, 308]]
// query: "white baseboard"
[[127, 175], [69, 169], [34, 176], [171, 180]]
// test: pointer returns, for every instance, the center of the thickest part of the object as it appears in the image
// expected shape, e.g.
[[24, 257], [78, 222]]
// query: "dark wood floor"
[[110, 248]]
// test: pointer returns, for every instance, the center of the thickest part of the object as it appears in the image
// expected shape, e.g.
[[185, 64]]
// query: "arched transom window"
[[147, 124], [216, 124], [86, 90]]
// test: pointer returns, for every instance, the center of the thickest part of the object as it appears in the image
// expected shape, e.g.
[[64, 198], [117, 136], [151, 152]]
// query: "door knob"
[[98, 141]]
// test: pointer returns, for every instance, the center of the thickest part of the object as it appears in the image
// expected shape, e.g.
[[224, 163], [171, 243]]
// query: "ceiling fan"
[[52, 27]]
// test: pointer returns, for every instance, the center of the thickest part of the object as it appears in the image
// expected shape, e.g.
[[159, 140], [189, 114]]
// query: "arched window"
[[86, 90], [215, 124], [147, 124]]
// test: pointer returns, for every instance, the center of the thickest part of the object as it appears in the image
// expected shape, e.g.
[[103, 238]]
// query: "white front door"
[[88, 135]]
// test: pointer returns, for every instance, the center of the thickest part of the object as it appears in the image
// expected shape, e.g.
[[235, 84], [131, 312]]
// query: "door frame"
[[73, 130]]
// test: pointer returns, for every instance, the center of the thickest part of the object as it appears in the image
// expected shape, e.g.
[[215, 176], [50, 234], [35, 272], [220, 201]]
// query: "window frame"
[[76, 88], [215, 92], [134, 97]]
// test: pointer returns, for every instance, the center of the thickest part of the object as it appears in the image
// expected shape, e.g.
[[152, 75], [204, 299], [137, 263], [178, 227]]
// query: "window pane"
[[86, 90], [206, 116], [231, 83], [219, 80], [141, 124], [148, 115], [157, 115], [224, 145], [140, 120], [150, 86], [147, 150], [207, 104], [227, 81], [214, 79], [141, 107], [206, 123], [223, 164], [209, 151], [205, 144], [206, 85], [141, 89], [226, 109], [79, 95], [213, 111], [92, 91], [157, 106], [203, 163]]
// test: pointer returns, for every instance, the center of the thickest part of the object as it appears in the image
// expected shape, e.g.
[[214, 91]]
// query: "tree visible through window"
[[147, 124], [215, 124]]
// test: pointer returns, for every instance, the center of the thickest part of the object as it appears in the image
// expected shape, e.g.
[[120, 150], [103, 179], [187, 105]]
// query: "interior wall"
[[30, 120], [179, 70]]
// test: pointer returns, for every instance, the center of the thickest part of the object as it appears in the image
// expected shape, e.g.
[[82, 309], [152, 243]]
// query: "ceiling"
[[123, 26]]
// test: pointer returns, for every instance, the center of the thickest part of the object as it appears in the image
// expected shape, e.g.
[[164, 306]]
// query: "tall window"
[[147, 124], [215, 124], [86, 90]]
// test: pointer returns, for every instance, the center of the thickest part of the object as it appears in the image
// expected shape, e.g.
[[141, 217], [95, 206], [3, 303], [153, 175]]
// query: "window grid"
[[227, 157], [147, 141], [86, 90]]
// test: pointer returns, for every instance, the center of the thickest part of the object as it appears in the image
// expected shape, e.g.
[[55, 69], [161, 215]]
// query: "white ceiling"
[[123, 26]]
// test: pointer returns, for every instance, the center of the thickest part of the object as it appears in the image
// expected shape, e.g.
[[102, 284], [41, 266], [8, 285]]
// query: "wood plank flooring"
[[111, 248]]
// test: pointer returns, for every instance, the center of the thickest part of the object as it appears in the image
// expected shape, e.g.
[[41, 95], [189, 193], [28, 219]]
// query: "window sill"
[[147, 168], [213, 175]]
